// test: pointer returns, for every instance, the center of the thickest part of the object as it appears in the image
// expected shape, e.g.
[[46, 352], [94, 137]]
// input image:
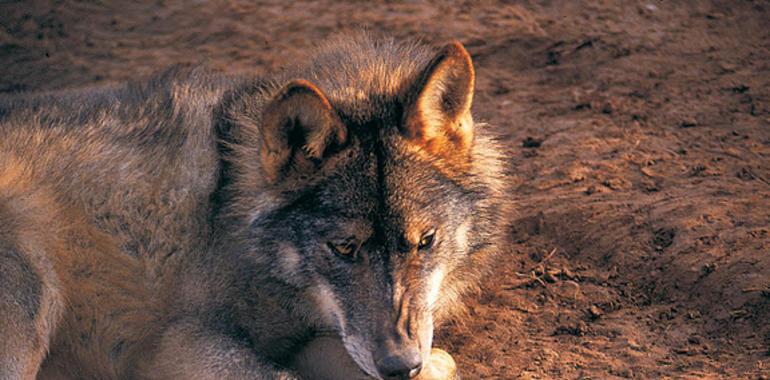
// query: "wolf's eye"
[[345, 249], [426, 241]]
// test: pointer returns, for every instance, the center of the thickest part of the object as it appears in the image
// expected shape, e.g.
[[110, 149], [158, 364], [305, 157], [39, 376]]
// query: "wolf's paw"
[[440, 366]]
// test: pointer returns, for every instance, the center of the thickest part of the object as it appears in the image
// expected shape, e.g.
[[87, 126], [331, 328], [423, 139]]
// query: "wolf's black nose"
[[402, 365]]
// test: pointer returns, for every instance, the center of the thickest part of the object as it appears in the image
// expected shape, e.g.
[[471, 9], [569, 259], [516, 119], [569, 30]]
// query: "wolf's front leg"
[[189, 351], [325, 358]]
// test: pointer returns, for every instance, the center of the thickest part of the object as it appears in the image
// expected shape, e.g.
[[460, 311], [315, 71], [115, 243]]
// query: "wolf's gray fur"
[[205, 226]]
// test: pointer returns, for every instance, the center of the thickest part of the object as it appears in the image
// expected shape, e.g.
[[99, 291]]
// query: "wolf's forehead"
[[389, 184], [367, 108]]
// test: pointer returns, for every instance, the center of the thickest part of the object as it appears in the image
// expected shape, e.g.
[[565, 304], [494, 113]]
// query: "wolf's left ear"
[[438, 105]]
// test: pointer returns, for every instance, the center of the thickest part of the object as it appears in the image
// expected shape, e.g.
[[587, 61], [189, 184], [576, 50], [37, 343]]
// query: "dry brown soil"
[[639, 134]]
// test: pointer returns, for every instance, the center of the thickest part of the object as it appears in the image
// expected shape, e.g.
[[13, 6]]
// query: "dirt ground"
[[640, 150]]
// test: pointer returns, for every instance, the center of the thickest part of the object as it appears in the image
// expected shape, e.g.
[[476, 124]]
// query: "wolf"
[[316, 222]]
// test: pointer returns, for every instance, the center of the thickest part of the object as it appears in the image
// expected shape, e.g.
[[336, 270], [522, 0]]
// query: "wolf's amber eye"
[[426, 241], [346, 249]]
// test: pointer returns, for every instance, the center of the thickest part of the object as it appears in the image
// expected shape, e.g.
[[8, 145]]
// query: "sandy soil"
[[640, 147]]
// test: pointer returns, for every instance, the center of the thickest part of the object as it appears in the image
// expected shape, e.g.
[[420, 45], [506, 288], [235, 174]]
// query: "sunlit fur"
[[162, 248]]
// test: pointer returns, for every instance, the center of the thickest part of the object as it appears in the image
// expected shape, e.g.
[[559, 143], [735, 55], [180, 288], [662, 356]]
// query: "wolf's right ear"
[[299, 129]]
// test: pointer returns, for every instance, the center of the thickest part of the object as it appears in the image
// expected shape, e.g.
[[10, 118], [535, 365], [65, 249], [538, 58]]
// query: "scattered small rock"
[[648, 172], [578, 329], [582, 106], [607, 108], [663, 238], [634, 345], [688, 122], [685, 351], [531, 142], [500, 90], [708, 269], [595, 312], [746, 174], [697, 170], [739, 313], [715, 15], [553, 57], [613, 183], [577, 174], [728, 67], [626, 373], [528, 375], [651, 186], [740, 89]]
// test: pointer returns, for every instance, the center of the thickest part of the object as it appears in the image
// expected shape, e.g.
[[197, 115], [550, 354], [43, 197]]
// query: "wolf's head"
[[370, 189]]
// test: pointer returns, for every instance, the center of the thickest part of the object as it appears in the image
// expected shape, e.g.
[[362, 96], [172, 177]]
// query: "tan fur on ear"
[[299, 126], [438, 116]]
